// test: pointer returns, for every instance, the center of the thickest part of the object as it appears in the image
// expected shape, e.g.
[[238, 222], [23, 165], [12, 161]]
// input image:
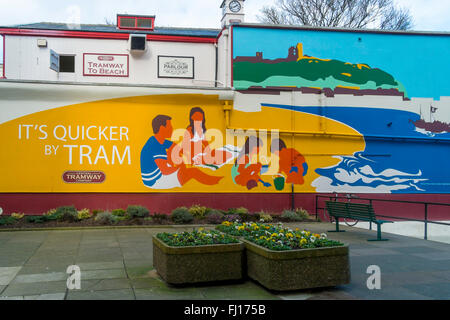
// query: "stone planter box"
[[298, 269], [187, 265]]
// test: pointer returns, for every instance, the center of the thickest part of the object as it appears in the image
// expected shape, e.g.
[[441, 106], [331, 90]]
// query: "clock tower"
[[232, 11]]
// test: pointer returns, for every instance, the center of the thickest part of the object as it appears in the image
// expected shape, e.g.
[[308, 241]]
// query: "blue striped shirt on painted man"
[[152, 151]]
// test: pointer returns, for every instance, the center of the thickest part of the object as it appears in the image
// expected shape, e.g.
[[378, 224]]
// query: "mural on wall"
[[185, 149], [391, 90], [382, 126], [303, 71]]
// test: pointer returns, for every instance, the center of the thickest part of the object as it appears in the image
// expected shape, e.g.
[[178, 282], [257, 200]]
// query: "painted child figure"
[[292, 163], [244, 172]]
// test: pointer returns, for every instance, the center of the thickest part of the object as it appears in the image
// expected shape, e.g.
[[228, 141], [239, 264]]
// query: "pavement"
[[117, 264]]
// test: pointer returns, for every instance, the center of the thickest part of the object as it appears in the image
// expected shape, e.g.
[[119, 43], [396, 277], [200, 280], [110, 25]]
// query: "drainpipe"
[[217, 64]]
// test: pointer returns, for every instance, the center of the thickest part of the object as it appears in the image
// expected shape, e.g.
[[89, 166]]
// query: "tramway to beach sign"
[[105, 65]]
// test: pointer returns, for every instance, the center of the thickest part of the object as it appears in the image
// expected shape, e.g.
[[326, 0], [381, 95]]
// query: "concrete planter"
[[186, 265], [298, 269]]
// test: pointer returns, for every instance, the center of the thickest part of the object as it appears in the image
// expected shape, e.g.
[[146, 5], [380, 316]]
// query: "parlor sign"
[[105, 65], [175, 67]]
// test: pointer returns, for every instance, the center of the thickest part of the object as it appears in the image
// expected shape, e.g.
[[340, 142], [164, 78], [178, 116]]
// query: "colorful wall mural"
[[165, 143], [321, 111], [393, 89]]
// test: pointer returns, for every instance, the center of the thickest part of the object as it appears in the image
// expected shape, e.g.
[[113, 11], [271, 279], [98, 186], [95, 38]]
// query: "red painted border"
[[101, 35], [37, 203], [107, 54]]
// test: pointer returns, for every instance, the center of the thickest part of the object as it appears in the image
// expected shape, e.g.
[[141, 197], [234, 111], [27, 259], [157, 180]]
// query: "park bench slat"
[[355, 211]]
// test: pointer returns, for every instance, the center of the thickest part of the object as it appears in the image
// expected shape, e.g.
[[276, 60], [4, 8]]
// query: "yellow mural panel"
[[112, 146]]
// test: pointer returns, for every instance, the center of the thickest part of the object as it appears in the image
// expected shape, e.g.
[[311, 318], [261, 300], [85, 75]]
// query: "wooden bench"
[[356, 211]]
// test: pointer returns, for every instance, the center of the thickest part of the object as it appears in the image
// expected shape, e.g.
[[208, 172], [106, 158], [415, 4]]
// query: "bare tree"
[[109, 22], [382, 14]]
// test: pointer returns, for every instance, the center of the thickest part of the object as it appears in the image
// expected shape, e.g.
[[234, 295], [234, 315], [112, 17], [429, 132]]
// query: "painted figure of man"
[[157, 168]]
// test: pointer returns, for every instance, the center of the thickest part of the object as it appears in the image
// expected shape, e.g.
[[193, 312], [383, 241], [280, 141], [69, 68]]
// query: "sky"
[[429, 15]]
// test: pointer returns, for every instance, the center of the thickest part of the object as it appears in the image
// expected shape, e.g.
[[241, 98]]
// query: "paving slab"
[[122, 294], [43, 268], [37, 288], [7, 274], [50, 296], [147, 283], [103, 274], [438, 290], [105, 284], [41, 277], [101, 265], [139, 272], [117, 264], [168, 293]]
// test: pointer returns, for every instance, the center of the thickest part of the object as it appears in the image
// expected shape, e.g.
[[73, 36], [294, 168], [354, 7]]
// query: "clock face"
[[235, 6]]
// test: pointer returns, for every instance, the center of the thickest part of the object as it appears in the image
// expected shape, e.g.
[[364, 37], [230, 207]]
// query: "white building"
[[134, 51]]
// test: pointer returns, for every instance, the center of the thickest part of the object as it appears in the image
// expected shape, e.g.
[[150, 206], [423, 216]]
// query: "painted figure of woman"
[[194, 145]]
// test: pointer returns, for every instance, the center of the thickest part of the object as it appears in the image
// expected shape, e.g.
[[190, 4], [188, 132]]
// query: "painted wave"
[[355, 174]]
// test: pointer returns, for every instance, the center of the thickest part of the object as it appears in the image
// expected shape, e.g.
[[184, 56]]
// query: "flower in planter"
[[277, 237], [196, 238]]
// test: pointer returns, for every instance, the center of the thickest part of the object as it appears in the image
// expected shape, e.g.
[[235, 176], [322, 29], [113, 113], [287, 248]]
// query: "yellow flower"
[[201, 229], [303, 241], [317, 235], [289, 235], [274, 235]]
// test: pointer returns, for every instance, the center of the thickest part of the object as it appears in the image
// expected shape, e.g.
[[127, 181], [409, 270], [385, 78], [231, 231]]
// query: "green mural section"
[[298, 70]]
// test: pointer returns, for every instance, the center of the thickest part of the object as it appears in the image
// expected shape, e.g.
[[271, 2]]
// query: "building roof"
[[169, 31]]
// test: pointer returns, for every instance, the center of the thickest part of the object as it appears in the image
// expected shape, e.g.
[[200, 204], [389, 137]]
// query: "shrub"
[[302, 213], [137, 212], [160, 217], [265, 217], [215, 218], [198, 211], [119, 213], [96, 212], [84, 214], [7, 221], [36, 219], [289, 215], [149, 219], [18, 216], [215, 211], [66, 214], [105, 218], [232, 218], [182, 216], [255, 216], [50, 212], [243, 213]]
